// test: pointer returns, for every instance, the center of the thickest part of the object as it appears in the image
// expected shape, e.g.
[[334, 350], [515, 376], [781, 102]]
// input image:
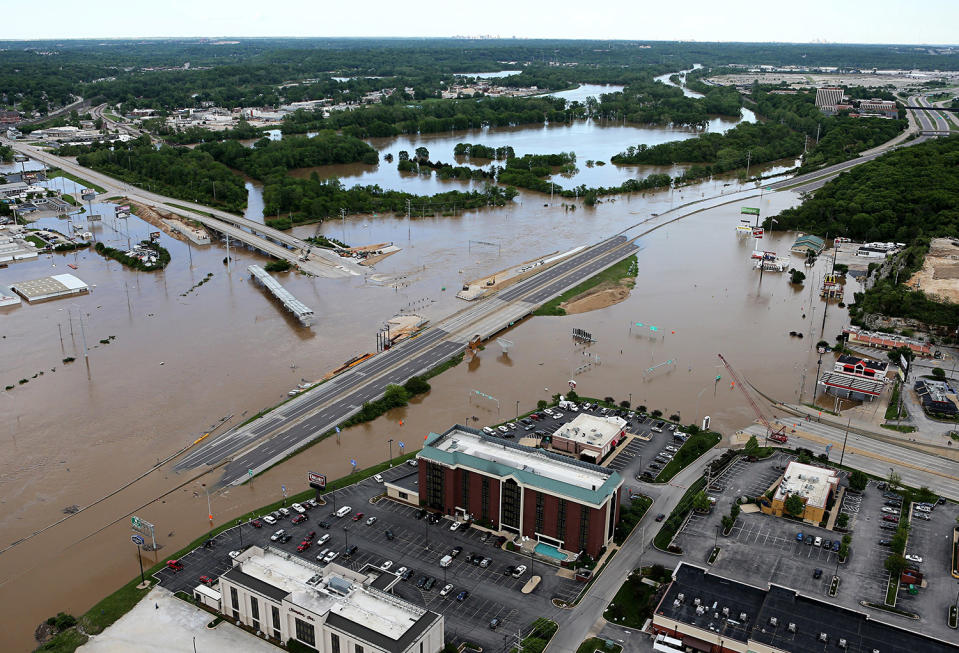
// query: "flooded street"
[[182, 356]]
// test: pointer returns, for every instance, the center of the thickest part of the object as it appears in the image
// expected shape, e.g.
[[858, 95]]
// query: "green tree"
[[541, 404], [417, 385], [752, 444], [858, 480], [701, 502], [796, 276], [938, 373], [728, 522], [794, 505], [395, 396], [895, 563], [894, 480], [842, 520]]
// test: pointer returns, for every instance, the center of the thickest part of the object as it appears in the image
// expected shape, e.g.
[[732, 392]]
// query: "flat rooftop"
[[467, 447], [57, 285], [328, 590], [810, 482], [593, 430], [770, 611]]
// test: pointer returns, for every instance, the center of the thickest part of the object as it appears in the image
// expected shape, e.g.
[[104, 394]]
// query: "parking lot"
[[417, 545]]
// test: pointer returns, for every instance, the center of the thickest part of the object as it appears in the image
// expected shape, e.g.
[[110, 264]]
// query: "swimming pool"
[[549, 551]]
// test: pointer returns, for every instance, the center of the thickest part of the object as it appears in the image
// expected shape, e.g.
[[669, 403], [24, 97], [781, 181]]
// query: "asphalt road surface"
[[264, 441]]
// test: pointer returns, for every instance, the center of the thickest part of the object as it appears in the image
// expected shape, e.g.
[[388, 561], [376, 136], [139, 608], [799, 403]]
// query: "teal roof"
[[527, 476], [810, 240]]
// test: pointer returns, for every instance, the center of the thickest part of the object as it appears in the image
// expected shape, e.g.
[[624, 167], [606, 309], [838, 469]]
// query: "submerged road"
[[266, 440]]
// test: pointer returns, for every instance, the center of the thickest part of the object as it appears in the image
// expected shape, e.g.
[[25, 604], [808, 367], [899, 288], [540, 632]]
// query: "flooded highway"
[[180, 356]]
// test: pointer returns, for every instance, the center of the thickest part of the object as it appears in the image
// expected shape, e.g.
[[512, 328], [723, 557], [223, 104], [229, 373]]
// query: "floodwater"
[[584, 91], [179, 356]]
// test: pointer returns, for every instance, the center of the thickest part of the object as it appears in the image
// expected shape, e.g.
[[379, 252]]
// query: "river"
[[183, 356]]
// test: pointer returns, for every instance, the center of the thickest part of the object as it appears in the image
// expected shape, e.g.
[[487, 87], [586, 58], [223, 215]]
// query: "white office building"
[[330, 609]]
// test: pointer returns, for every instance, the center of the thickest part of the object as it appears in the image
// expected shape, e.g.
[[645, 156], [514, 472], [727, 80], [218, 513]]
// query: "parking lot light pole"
[[346, 532], [391, 452], [239, 526], [517, 409]]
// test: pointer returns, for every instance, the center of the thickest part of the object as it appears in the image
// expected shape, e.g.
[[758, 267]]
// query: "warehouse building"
[[568, 504], [710, 613], [330, 609]]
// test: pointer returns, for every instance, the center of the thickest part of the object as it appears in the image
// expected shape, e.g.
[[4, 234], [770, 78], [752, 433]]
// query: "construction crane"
[[772, 433]]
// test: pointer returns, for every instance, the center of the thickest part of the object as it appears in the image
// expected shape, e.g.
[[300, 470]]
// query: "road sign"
[[137, 539], [143, 527], [749, 210], [250, 472], [402, 444], [317, 481], [758, 232]]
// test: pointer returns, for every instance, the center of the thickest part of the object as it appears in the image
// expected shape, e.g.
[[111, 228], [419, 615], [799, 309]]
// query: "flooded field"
[[179, 356]]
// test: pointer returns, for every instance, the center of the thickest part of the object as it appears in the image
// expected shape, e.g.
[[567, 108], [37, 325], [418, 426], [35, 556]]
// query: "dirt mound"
[[603, 295]]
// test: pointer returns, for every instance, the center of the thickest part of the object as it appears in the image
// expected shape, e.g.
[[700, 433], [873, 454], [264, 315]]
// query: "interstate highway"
[[266, 440]]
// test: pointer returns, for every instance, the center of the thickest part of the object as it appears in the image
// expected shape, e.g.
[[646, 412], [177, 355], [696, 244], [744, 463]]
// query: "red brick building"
[[567, 503]]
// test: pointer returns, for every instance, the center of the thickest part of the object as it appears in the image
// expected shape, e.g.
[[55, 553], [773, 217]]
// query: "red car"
[[894, 520], [310, 536], [358, 516], [206, 580], [299, 519], [175, 565], [304, 545], [256, 523]]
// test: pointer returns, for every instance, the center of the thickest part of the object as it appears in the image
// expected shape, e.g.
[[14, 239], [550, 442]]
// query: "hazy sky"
[[845, 21]]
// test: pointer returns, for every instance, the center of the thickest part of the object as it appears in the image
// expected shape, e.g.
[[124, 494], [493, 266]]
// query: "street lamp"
[[517, 409], [391, 452], [346, 532], [239, 526]]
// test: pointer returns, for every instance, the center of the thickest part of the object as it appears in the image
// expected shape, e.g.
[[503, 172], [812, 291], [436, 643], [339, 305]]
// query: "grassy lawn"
[[692, 449], [633, 603], [629, 517], [902, 428], [36, 240], [892, 410], [83, 182], [65, 642], [598, 644], [622, 270], [892, 590], [543, 631]]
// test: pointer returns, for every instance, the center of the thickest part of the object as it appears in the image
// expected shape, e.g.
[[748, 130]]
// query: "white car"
[[455, 526], [519, 571], [277, 535], [411, 462], [269, 519], [330, 557], [284, 511], [487, 430], [378, 478], [511, 425], [446, 590], [322, 554], [922, 508], [386, 565], [323, 539], [913, 558], [234, 554], [502, 429], [401, 571], [371, 521], [818, 541], [297, 507], [891, 511]]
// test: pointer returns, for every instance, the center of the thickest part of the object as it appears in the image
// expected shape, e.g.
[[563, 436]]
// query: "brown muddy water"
[[181, 359]]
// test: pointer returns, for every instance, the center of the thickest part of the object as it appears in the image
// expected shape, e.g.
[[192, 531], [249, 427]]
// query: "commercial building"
[[589, 436], [808, 243], [886, 341], [884, 108], [932, 395], [549, 497], [330, 609], [866, 368], [58, 285], [862, 379], [828, 96], [714, 614], [814, 485]]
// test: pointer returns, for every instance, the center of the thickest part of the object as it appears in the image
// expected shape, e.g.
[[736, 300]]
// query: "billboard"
[[758, 232], [749, 210], [154, 236], [317, 481], [125, 208]]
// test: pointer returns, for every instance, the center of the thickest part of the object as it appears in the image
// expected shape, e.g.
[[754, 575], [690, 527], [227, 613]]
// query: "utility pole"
[[228, 253], [749, 155], [844, 438], [409, 227]]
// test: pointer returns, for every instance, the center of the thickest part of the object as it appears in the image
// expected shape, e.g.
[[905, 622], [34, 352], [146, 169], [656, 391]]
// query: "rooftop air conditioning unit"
[[792, 627], [676, 603], [823, 637], [700, 611], [742, 616], [842, 643], [725, 612], [680, 597], [697, 601], [773, 621]]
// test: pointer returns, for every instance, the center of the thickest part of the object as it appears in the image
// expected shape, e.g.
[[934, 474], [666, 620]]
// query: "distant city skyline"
[[878, 22]]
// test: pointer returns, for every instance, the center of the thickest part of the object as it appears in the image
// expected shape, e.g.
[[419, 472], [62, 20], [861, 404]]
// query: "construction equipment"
[[777, 434]]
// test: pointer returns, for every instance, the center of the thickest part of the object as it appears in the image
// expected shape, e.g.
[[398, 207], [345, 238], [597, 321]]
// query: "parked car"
[[371, 521], [835, 546], [304, 545], [890, 518], [817, 541], [256, 523], [284, 511], [206, 580], [494, 622], [502, 429], [462, 596], [378, 478], [519, 571], [269, 519], [827, 544], [885, 542], [389, 534], [330, 557], [658, 427], [485, 562], [509, 570], [422, 513], [386, 565], [446, 590], [894, 504], [324, 524], [888, 527], [175, 565], [922, 508], [358, 516], [455, 526], [456, 551], [421, 582], [817, 573], [297, 507], [299, 519], [890, 511], [799, 536], [323, 539], [402, 571], [411, 462], [277, 535], [661, 516], [430, 582], [809, 540], [350, 550], [923, 515], [286, 538], [322, 554], [487, 430], [913, 558]]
